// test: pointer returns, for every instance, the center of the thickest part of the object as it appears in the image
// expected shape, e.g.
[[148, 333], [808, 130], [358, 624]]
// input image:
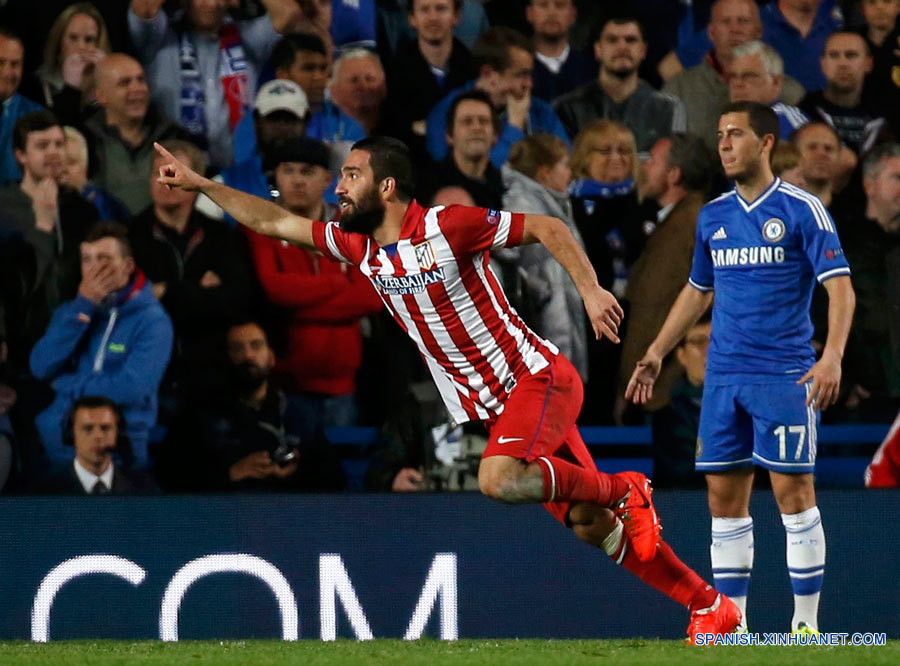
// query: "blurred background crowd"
[[147, 343]]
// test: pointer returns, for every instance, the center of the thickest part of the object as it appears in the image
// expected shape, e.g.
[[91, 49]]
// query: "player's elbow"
[[543, 229]]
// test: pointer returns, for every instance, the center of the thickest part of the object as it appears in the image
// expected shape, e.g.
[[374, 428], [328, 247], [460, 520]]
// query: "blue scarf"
[[233, 69], [585, 188]]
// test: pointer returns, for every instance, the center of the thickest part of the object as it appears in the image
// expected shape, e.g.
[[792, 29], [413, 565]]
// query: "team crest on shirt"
[[773, 230], [493, 216], [425, 256]]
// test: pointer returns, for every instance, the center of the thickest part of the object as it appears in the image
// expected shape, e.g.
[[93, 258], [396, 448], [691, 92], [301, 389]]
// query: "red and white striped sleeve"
[[472, 230], [337, 244]]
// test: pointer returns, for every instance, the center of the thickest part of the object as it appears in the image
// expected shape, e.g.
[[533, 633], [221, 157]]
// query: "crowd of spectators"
[[147, 342]]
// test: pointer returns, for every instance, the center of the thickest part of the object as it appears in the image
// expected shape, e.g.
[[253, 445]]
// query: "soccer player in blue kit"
[[760, 248]]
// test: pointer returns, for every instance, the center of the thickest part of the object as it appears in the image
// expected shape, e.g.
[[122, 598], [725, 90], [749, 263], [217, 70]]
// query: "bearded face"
[[248, 376], [363, 215]]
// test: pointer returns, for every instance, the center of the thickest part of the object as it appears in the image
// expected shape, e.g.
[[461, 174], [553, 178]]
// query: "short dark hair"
[[492, 48], [237, 322], [762, 118], [473, 95], [92, 402], [10, 34], [36, 121], [618, 19], [301, 149], [457, 6], [285, 51], [866, 50], [110, 229], [797, 133], [689, 153], [390, 158]]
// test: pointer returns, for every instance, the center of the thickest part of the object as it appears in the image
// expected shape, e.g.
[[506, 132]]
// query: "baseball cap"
[[281, 95]]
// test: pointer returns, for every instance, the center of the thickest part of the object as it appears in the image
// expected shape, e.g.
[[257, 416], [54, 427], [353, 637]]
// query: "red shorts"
[[538, 419]]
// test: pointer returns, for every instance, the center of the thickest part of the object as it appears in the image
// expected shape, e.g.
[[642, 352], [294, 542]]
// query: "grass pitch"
[[432, 652]]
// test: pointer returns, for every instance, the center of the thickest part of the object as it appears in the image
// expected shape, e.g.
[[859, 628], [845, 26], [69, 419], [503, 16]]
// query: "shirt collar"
[[88, 479], [554, 64], [663, 213]]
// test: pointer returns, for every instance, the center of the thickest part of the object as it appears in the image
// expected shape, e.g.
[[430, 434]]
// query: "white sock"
[[806, 563], [614, 544], [731, 554]]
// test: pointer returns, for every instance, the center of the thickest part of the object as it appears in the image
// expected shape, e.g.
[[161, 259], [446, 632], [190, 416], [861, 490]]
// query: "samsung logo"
[[747, 256], [408, 284]]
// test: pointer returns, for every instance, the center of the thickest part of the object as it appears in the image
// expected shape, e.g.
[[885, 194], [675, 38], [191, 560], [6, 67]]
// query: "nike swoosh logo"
[[506, 440]]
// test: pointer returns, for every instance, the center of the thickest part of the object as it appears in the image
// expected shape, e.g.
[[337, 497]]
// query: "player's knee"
[[499, 478], [797, 495], [489, 485], [725, 507], [729, 495], [491, 480]]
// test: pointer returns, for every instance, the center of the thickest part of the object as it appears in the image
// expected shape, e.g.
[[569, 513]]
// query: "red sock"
[[566, 482], [669, 575]]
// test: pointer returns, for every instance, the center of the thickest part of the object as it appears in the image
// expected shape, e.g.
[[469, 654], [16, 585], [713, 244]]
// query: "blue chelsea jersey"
[[762, 259]]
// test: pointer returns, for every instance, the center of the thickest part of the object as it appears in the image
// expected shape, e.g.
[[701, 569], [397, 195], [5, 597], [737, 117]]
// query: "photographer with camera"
[[253, 437]]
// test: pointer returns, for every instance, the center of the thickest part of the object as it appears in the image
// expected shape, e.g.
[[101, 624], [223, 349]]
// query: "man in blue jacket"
[[114, 339], [505, 62]]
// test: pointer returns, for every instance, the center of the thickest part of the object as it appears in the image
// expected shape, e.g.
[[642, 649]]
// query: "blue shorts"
[[764, 424]]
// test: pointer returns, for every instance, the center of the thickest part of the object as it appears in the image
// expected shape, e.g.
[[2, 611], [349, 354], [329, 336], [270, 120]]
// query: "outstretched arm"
[[602, 307], [263, 217], [689, 306]]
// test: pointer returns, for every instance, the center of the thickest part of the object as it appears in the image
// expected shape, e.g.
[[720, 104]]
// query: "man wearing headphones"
[[96, 429]]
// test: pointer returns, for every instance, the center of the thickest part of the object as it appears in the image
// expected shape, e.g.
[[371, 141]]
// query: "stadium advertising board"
[[445, 566]]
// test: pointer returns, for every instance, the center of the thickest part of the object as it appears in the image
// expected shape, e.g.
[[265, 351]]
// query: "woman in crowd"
[[537, 178], [605, 201], [77, 41], [613, 227]]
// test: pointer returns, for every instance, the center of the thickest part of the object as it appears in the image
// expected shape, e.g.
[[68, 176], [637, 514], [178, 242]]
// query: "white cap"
[[281, 95]]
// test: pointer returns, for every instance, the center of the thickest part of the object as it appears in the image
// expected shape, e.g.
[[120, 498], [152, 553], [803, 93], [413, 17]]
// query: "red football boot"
[[638, 515], [723, 617]]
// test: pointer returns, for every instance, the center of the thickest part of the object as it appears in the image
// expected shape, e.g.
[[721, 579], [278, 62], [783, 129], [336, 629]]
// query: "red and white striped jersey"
[[438, 284]]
